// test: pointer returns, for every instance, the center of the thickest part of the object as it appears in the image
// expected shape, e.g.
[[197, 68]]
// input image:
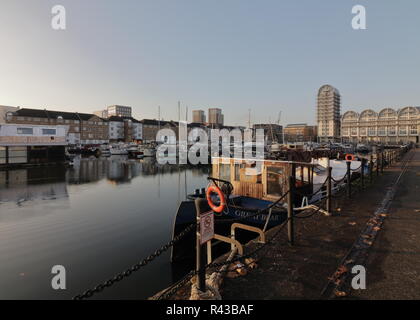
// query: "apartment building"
[[300, 132], [114, 111], [152, 126], [82, 128], [328, 114], [390, 126], [119, 111], [198, 116], [216, 117], [125, 129]]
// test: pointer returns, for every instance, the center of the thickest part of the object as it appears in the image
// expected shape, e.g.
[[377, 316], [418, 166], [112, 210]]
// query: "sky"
[[267, 56]]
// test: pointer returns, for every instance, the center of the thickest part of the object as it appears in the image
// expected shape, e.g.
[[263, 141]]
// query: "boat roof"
[[266, 160]]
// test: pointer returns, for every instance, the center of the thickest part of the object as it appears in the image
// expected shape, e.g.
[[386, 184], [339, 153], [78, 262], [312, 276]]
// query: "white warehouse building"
[[388, 126]]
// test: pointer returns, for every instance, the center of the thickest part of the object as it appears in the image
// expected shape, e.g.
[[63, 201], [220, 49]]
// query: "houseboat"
[[249, 188]]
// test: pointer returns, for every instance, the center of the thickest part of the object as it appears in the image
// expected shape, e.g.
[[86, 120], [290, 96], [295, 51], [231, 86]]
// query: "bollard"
[[329, 191], [200, 207], [290, 199], [348, 180], [371, 169], [377, 164], [362, 173]]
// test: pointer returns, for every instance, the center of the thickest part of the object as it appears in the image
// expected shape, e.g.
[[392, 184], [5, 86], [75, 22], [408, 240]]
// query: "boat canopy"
[[262, 179]]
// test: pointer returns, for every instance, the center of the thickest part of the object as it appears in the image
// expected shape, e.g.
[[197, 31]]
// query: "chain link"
[[173, 289], [120, 276]]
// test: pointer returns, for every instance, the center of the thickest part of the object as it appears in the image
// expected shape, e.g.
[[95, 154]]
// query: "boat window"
[[2, 155], [237, 172], [275, 181], [224, 171]]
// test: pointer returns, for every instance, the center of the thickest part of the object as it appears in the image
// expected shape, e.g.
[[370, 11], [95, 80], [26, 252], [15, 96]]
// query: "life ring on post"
[[350, 157], [220, 194]]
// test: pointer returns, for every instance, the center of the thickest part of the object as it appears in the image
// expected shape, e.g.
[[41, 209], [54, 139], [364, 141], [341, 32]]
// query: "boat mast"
[[158, 117]]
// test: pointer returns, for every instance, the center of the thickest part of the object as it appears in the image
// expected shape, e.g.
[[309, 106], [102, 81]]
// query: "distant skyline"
[[267, 56]]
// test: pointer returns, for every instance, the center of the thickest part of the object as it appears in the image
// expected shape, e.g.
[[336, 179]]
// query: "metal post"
[[329, 193], [200, 207], [371, 169], [377, 164], [294, 171], [290, 199], [382, 162], [362, 173], [348, 180]]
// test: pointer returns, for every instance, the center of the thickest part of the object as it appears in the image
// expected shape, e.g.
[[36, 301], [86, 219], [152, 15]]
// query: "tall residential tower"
[[215, 116], [199, 116], [328, 114]]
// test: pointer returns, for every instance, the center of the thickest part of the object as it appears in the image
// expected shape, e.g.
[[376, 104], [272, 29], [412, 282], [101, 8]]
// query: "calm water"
[[95, 219]]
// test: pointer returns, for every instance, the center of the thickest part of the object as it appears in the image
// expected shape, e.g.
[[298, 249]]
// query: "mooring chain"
[[339, 181], [309, 196], [357, 169], [120, 276], [172, 290], [175, 287]]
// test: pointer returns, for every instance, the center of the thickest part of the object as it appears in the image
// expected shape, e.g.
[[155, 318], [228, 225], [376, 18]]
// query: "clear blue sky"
[[267, 55]]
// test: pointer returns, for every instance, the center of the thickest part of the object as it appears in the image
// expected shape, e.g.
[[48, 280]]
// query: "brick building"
[[82, 128]]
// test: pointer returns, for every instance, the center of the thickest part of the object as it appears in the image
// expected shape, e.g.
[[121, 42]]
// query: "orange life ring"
[[221, 207], [350, 157]]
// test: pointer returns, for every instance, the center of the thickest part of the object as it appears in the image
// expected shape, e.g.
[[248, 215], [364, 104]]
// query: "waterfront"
[[96, 219]]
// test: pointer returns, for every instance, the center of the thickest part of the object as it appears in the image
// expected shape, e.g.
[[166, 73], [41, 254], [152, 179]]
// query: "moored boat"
[[255, 195]]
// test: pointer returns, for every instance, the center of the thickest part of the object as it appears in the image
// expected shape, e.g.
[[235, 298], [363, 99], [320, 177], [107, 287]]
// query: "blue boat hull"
[[243, 207]]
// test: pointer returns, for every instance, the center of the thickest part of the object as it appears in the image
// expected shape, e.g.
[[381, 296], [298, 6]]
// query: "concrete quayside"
[[375, 226]]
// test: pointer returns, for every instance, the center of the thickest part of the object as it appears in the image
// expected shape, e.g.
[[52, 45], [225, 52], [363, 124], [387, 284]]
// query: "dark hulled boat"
[[250, 189]]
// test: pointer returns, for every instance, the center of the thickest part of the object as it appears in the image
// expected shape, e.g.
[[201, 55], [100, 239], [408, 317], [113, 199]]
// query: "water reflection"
[[23, 185], [120, 169], [96, 218]]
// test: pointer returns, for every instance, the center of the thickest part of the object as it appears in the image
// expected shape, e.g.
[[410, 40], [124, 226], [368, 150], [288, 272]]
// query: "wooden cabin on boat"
[[263, 179]]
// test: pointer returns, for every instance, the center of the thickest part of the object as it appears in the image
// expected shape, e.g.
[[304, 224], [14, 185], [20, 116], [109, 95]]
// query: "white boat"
[[118, 150], [148, 151], [339, 171], [105, 152], [276, 147]]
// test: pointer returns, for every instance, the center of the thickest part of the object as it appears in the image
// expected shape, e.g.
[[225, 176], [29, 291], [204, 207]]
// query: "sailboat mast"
[[158, 117]]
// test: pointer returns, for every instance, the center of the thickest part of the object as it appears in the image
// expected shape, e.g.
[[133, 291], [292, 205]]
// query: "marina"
[[86, 217], [209, 159]]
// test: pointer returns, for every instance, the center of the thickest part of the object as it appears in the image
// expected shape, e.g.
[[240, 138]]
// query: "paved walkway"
[[393, 266], [302, 271]]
